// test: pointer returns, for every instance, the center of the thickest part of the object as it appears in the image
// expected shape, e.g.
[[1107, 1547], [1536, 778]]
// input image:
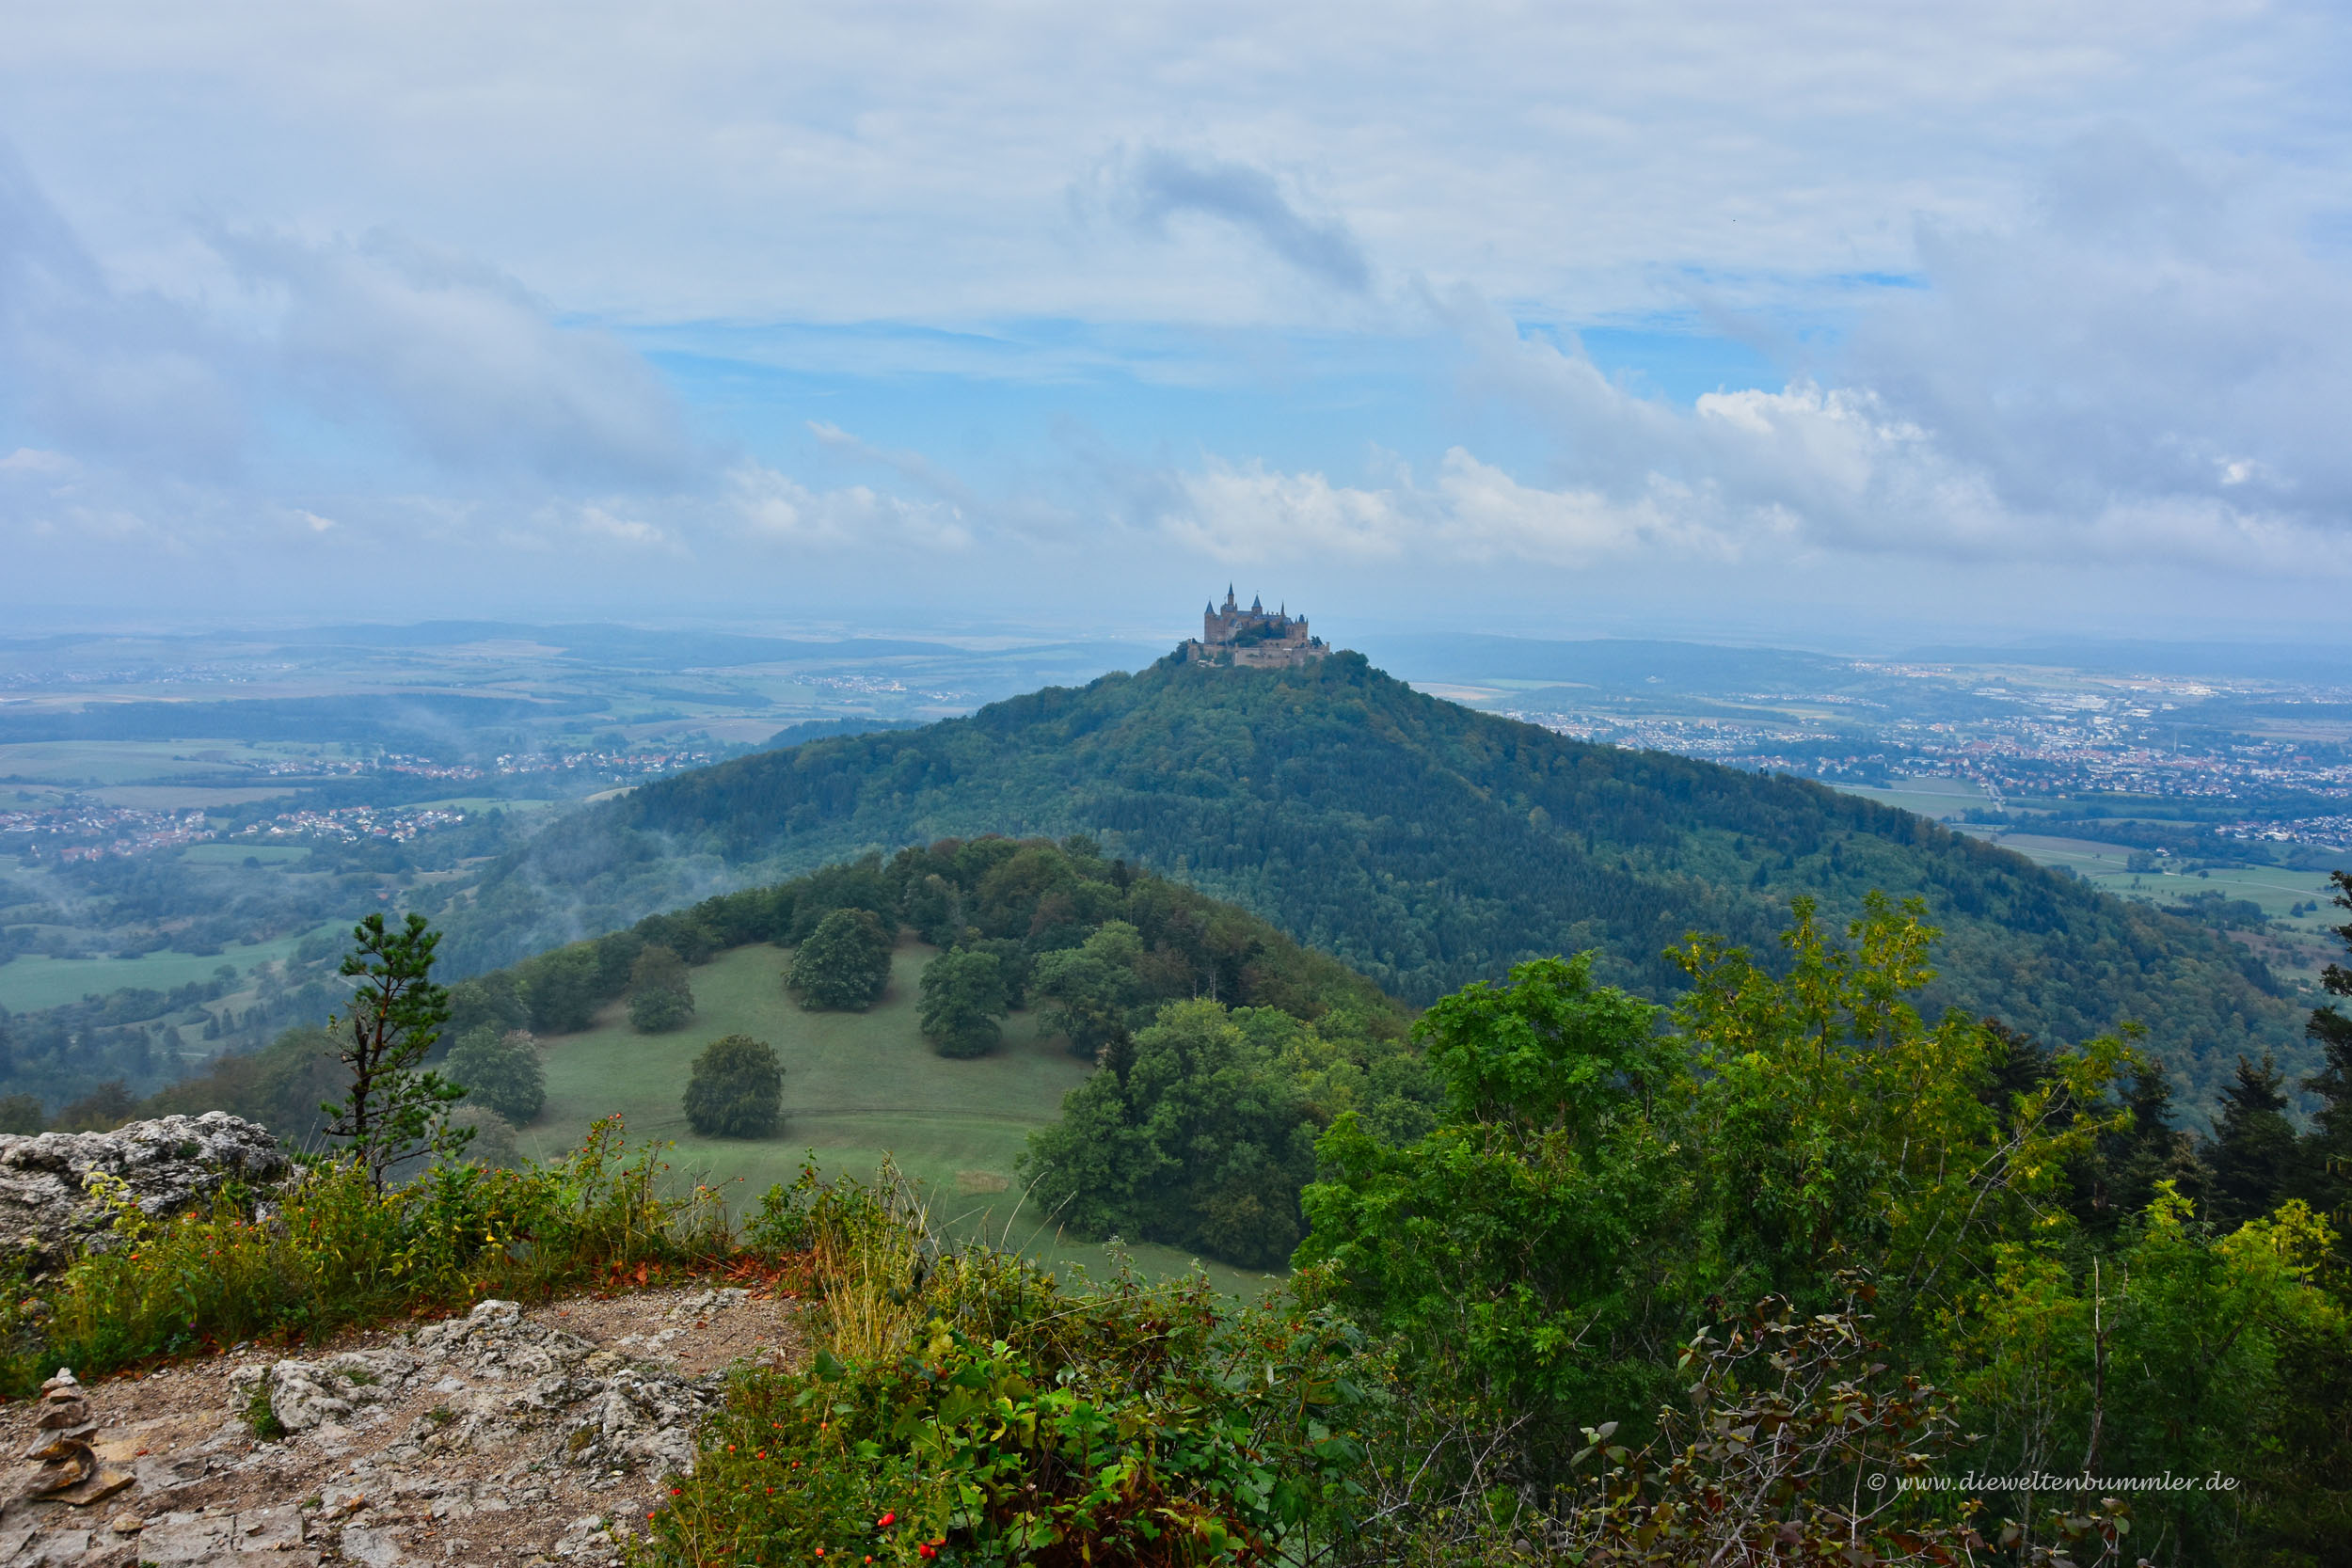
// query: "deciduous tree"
[[845, 963], [964, 996], [737, 1089]]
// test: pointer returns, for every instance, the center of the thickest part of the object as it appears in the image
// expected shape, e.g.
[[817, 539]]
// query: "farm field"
[[104, 763], [1929, 796], [2276, 889], [857, 1088]]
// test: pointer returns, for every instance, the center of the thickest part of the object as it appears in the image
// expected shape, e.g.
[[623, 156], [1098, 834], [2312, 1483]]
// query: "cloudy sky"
[[1805, 322]]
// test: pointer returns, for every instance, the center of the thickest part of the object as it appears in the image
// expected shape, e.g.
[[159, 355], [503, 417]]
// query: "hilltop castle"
[[1253, 637]]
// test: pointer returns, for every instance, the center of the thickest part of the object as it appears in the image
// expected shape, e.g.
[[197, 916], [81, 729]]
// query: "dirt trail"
[[512, 1435]]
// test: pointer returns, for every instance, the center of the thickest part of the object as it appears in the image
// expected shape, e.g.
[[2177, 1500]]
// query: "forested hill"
[[1426, 843]]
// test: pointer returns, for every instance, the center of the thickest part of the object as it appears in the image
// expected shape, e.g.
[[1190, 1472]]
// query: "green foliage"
[[1830, 1121], [1092, 985], [660, 997], [964, 996], [491, 1137], [2180, 1353], [844, 965], [392, 1111], [1592, 1182], [562, 989], [1428, 845], [493, 1002], [337, 1250], [1002, 1418], [2253, 1153], [104, 1109], [2324, 1159], [1794, 1448], [499, 1071], [1518, 1249], [260, 1416], [22, 1113], [1200, 1133], [737, 1089], [282, 1086]]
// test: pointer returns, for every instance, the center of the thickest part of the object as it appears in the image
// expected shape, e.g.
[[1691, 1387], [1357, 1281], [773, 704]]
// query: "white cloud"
[[773, 507], [911, 161], [458, 362], [2143, 358]]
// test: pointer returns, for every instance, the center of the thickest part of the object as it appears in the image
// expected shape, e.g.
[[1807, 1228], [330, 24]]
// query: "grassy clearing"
[[34, 981], [857, 1088]]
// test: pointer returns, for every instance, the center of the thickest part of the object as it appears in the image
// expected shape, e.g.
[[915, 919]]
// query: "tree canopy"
[[736, 1090], [844, 965], [1425, 844]]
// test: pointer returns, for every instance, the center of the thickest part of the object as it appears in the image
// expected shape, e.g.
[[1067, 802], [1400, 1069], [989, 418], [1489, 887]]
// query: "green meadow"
[[857, 1088], [34, 981]]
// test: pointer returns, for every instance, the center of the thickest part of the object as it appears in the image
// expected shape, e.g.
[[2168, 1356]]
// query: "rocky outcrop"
[[167, 1166], [616, 1415], [528, 1436]]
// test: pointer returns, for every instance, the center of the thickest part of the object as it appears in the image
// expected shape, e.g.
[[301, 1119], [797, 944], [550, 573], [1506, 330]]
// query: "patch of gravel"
[[510, 1434]]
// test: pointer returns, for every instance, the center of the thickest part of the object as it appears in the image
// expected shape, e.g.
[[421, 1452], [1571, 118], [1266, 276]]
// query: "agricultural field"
[[858, 1087], [2298, 941], [1930, 796]]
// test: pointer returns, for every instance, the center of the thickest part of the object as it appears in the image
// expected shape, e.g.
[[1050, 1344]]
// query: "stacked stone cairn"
[[70, 1471]]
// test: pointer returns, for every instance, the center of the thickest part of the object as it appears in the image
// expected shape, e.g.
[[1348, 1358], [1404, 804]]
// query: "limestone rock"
[[308, 1394], [171, 1165]]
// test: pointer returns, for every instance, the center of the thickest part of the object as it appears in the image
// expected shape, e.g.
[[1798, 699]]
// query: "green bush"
[[737, 1089], [499, 1071], [964, 996], [994, 1415], [844, 965]]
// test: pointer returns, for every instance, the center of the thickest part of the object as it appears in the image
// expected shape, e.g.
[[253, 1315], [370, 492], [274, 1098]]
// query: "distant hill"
[[826, 729], [1425, 843]]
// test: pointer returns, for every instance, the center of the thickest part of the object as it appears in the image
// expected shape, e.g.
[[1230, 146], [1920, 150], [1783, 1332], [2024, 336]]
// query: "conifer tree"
[[392, 1113], [2325, 1154], [2253, 1150]]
